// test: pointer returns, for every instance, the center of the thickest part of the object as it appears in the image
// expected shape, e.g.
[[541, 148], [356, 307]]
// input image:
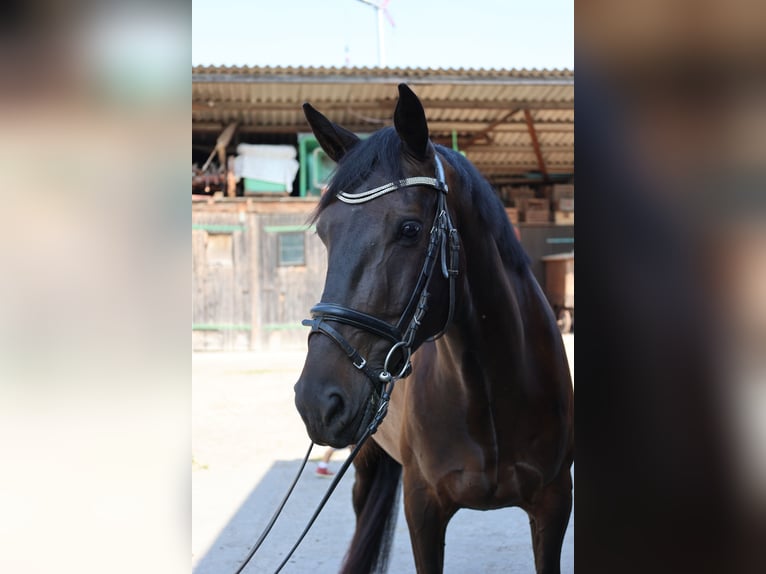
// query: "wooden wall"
[[221, 283], [242, 298], [286, 293]]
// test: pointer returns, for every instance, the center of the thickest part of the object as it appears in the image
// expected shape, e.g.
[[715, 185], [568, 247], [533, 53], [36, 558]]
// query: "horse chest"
[[470, 456], [471, 476]]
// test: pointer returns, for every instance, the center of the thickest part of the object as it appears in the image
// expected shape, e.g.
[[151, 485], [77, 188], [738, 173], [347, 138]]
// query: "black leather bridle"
[[443, 244]]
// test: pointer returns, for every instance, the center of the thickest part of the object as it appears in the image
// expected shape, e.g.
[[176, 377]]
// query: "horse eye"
[[410, 229]]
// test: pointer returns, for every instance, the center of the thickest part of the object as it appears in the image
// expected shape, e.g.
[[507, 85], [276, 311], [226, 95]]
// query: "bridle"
[[443, 239]]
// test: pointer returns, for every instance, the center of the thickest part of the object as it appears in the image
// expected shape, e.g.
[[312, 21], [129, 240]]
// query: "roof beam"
[[505, 168], [436, 127], [535, 143], [479, 149], [485, 132], [201, 103], [515, 178], [359, 77]]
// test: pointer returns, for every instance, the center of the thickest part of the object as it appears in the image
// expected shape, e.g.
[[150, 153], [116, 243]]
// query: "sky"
[[500, 34]]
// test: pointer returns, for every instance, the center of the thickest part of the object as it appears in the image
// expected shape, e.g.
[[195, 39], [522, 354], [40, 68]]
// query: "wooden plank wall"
[[287, 293], [242, 298], [221, 282]]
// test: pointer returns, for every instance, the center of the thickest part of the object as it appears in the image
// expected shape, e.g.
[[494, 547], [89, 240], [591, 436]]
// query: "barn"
[[257, 265]]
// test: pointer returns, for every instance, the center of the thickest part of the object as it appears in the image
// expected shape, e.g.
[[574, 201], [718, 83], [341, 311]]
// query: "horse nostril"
[[333, 408]]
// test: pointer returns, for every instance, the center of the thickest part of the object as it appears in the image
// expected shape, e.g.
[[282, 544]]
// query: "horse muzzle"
[[331, 416]]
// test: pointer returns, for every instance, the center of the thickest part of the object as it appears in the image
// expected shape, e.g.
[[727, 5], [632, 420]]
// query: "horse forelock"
[[379, 152]]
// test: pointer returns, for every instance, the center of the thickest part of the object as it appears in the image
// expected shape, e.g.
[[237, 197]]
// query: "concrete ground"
[[247, 443]]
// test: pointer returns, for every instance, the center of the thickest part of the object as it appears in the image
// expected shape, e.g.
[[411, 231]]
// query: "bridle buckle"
[[362, 363]]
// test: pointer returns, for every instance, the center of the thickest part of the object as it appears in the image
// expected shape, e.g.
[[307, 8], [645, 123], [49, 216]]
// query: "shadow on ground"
[[489, 542], [323, 546]]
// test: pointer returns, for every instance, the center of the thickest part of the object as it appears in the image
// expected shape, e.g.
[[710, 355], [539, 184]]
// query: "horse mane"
[[485, 201], [382, 151]]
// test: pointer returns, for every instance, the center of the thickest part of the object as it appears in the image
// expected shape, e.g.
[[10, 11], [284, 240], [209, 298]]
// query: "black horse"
[[482, 416]]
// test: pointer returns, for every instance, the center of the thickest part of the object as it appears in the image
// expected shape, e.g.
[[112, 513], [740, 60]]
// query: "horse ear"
[[335, 140], [410, 122]]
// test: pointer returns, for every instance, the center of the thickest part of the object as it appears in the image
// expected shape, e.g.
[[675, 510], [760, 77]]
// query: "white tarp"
[[272, 163]]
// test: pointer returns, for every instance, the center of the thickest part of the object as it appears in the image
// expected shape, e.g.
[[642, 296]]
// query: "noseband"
[[443, 238]]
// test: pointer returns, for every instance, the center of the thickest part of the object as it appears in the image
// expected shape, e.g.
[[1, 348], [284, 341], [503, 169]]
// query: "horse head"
[[391, 261]]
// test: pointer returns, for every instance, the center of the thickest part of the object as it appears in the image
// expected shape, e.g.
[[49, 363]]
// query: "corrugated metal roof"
[[486, 108]]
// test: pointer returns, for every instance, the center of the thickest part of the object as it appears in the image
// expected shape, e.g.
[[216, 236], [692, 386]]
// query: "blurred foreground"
[[671, 146]]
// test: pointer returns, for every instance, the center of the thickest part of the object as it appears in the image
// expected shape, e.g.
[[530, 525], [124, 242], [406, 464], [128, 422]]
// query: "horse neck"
[[500, 308]]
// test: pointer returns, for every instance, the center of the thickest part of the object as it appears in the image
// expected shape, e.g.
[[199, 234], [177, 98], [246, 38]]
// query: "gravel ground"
[[247, 443]]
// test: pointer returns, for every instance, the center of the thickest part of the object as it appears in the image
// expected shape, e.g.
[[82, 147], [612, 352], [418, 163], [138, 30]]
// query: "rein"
[[443, 239], [369, 431]]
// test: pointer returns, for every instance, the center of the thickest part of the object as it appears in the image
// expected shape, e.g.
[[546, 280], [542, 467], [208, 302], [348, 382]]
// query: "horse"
[[481, 415]]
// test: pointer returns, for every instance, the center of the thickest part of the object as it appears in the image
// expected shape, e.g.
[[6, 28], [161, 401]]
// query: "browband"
[[364, 196]]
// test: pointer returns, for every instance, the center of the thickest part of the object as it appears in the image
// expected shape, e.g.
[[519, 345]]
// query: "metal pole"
[[381, 47]]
